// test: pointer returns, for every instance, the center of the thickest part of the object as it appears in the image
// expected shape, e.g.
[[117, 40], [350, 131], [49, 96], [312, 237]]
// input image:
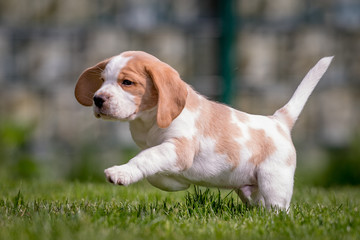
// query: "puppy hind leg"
[[257, 198], [276, 188], [250, 195], [244, 196]]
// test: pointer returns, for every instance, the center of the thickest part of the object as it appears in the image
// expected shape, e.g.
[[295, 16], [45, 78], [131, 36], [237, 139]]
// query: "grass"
[[70, 210]]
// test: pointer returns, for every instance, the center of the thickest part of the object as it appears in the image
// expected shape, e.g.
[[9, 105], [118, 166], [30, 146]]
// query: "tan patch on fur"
[[260, 145], [215, 122], [242, 117], [143, 89], [169, 90], [289, 121], [172, 93], [185, 152], [192, 101]]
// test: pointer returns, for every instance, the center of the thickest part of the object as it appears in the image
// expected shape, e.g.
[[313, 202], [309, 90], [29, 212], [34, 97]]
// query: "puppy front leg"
[[154, 160]]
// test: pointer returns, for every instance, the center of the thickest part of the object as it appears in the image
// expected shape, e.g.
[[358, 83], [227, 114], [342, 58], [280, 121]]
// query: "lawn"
[[73, 210]]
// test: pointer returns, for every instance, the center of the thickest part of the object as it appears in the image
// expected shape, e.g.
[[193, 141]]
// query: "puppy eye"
[[102, 79], [127, 82]]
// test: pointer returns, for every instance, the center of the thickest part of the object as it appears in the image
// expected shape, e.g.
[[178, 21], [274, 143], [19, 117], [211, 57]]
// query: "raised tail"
[[289, 113]]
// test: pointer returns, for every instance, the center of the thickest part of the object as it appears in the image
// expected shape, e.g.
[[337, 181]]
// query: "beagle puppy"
[[187, 139]]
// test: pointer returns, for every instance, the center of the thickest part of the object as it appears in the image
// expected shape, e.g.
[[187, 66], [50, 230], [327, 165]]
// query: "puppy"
[[188, 139]]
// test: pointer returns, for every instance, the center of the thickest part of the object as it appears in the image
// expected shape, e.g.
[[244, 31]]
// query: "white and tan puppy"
[[188, 139]]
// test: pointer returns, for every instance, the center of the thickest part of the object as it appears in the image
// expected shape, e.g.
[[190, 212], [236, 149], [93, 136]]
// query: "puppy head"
[[126, 85]]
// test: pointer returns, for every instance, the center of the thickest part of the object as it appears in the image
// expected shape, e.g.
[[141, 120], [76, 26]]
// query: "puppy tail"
[[289, 113]]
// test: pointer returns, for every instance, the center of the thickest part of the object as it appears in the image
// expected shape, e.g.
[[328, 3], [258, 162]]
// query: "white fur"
[[269, 182], [120, 104], [304, 90]]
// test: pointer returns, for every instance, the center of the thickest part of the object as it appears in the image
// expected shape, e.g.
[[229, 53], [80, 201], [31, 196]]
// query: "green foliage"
[[343, 167], [16, 158], [60, 210], [87, 162], [82, 162], [85, 165]]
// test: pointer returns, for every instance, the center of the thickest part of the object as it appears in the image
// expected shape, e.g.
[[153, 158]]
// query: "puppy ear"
[[172, 92], [89, 82]]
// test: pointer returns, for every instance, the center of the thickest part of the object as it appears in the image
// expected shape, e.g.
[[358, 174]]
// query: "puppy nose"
[[98, 101]]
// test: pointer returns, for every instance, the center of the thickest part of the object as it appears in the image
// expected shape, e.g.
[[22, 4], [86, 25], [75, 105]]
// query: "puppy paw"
[[121, 175]]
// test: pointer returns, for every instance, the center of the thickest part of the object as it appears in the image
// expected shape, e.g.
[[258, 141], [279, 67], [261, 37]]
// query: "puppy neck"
[[145, 119]]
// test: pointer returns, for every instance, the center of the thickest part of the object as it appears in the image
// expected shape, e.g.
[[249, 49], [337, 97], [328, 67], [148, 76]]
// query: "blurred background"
[[250, 54]]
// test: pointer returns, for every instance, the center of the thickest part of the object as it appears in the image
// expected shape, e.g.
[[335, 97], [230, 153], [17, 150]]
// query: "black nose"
[[98, 101]]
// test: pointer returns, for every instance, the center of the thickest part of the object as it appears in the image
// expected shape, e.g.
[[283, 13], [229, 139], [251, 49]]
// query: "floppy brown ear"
[[172, 92], [89, 82]]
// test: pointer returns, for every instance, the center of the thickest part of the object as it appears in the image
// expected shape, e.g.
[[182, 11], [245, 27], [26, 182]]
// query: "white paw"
[[120, 175]]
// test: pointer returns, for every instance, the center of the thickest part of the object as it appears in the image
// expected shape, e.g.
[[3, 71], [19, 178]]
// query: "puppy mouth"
[[106, 116], [98, 113]]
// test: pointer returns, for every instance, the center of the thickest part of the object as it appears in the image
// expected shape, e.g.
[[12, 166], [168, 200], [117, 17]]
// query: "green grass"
[[66, 210]]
